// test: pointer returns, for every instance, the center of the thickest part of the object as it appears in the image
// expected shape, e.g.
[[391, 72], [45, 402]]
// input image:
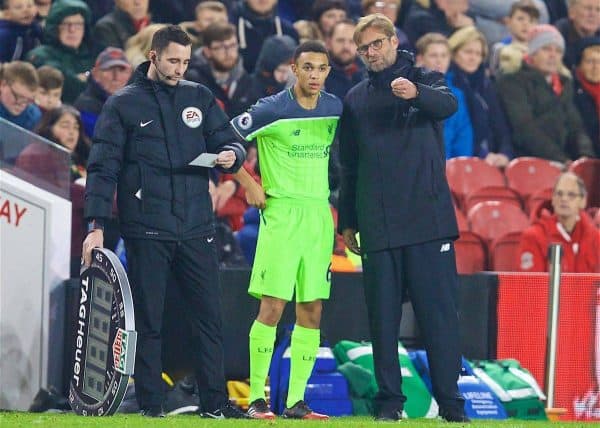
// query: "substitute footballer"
[[294, 130]]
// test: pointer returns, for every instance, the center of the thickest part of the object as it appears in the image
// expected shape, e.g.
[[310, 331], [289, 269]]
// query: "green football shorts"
[[293, 252]]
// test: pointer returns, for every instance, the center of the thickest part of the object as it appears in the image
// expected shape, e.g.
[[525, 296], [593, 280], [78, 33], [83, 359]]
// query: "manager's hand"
[[226, 159], [94, 239], [350, 240], [404, 88]]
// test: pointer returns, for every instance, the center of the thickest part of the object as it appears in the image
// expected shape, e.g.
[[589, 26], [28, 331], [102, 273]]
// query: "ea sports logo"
[[192, 117]]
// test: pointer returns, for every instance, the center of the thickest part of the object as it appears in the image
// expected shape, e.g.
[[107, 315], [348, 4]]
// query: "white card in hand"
[[207, 160]]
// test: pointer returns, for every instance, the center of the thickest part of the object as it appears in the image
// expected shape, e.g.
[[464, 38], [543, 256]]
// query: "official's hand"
[[404, 88], [223, 192], [255, 195], [94, 239], [226, 159], [350, 240]]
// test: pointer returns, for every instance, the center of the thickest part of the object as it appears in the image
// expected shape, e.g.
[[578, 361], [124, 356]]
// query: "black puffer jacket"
[[394, 189], [144, 139]]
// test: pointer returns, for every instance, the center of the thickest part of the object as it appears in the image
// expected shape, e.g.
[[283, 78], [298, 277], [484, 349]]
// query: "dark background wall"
[[344, 317]]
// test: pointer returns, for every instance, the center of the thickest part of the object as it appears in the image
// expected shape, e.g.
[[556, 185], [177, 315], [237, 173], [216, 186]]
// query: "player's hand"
[[223, 192], [255, 195], [350, 240], [94, 239], [226, 159], [404, 88]]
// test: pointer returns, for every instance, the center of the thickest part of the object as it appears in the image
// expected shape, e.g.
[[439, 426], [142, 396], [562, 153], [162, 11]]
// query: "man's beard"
[[223, 68], [342, 62]]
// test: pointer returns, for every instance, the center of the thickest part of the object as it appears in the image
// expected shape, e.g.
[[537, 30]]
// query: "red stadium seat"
[[492, 219], [597, 219], [527, 175], [503, 252], [537, 198], [492, 193], [461, 220], [470, 253], [467, 174], [589, 171]]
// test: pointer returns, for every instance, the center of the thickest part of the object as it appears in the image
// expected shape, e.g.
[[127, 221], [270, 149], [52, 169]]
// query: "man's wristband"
[[95, 224]]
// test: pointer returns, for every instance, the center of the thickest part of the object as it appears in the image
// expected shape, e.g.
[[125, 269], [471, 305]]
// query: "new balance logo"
[[143, 124], [445, 247], [296, 133]]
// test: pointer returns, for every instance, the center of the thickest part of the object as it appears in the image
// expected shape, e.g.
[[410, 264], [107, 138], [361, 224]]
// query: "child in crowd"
[[49, 92], [19, 32], [523, 16]]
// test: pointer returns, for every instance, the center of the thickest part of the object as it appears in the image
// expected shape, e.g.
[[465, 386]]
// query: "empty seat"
[[471, 254], [492, 193], [589, 171], [467, 174], [461, 220], [542, 196], [503, 252], [527, 175], [492, 219]]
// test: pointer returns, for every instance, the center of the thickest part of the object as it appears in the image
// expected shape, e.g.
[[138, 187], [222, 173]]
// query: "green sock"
[[305, 345], [262, 338]]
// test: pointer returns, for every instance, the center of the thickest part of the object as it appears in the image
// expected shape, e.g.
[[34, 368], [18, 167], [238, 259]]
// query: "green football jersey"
[[293, 143]]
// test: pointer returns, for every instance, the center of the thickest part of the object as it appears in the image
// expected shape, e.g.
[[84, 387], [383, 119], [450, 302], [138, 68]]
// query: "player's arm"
[[255, 194], [250, 125]]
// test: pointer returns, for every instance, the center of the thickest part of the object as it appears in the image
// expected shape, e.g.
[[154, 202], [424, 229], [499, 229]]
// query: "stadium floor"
[[55, 420]]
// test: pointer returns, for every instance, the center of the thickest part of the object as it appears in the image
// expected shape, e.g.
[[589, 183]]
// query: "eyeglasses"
[[20, 99], [570, 195], [225, 48], [71, 25], [376, 44]]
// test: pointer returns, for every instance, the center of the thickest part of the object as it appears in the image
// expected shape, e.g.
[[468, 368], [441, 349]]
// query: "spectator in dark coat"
[[127, 18], [19, 32], [43, 8], [583, 21], [110, 73], [273, 72], [557, 9], [587, 88], [218, 66], [491, 134], [539, 102], [326, 13], [346, 68], [255, 21], [442, 16], [68, 45]]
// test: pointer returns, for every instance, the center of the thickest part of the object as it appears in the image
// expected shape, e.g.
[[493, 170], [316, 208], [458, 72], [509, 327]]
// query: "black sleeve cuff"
[[94, 224]]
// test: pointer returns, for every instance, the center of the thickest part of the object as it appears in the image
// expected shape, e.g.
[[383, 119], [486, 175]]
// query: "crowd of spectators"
[[526, 73]]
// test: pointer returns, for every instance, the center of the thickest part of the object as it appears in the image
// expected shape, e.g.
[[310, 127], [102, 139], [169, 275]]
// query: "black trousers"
[[428, 272], [195, 267]]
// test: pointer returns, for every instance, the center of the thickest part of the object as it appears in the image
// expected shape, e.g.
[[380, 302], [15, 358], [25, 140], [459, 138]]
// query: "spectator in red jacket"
[[569, 226]]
